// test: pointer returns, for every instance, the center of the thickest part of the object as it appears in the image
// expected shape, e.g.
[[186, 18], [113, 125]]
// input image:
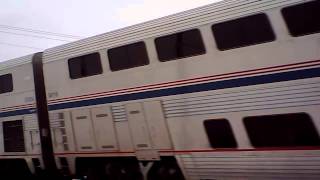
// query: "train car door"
[[138, 126], [148, 126], [83, 130], [157, 125], [104, 128]]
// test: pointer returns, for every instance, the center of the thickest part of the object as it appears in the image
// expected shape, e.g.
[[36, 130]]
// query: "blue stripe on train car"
[[223, 84], [18, 112]]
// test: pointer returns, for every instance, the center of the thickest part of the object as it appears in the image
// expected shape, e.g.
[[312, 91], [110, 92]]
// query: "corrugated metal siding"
[[57, 120], [185, 20], [119, 113], [274, 96], [253, 165], [16, 62], [58, 130], [31, 123]]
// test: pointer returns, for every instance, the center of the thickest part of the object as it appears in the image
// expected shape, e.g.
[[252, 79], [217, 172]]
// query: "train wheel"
[[90, 169], [14, 169], [166, 169], [123, 171], [93, 173]]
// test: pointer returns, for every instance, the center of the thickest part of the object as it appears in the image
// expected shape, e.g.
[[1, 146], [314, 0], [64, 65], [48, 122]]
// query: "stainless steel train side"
[[225, 106], [158, 109]]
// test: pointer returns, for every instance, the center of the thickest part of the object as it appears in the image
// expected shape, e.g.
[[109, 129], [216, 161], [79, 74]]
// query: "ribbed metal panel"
[[56, 120], [119, 113], [31, 124], [254, 165], [15, 62], [58, 130], [189, 19], [299, 94]]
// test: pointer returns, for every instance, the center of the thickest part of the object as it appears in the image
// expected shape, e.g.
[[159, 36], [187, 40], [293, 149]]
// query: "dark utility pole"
[[43, 117]]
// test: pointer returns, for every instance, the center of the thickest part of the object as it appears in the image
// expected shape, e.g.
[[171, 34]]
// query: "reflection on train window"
[[84, 66], [13, 136], [128, 56], [6, 84], [284, 130], [242, 32], [179, 45], [219, 133], [303, 19]]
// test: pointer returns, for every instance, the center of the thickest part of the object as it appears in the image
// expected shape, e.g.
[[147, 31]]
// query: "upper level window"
[[242, 32], [84, 66], [179, 45], [283, 130], [303, 19], [128, 56], [6, 84], [219, 133]]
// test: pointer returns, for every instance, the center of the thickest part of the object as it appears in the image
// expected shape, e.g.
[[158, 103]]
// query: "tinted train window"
[[242, 32], [179, 45], [13, 136], [285, 130], [6, 84], [84, 66], [219, 133], [128, 56], [303, 19]]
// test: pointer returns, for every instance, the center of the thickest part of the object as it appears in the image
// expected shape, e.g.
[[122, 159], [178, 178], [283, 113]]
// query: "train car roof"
[[16, 62], [208, 14]]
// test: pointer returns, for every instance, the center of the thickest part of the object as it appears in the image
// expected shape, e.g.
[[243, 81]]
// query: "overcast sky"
[[82, 18]]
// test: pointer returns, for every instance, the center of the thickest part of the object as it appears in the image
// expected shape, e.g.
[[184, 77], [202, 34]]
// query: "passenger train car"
[[225, 91]]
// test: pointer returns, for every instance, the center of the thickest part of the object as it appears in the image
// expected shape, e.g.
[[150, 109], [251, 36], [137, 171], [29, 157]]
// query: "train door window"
[[6, 84], [283, 130], [303, 19], [128, 56], [13, 136], [219, 133], [246, 31], [84, 66], [179, 45]]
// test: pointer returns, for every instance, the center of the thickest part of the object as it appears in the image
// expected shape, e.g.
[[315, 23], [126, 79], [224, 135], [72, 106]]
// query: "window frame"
[[100, 70], [145, 63], [11, 88], [288, 23], [202, 44], [232, 141], [273, 35], [254, 138]]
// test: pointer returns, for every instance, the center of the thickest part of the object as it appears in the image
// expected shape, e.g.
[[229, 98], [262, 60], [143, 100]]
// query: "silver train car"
[[229, 90]]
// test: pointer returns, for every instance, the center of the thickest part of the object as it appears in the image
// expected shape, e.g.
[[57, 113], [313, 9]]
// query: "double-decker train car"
[[225, 91], [20, 140]]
